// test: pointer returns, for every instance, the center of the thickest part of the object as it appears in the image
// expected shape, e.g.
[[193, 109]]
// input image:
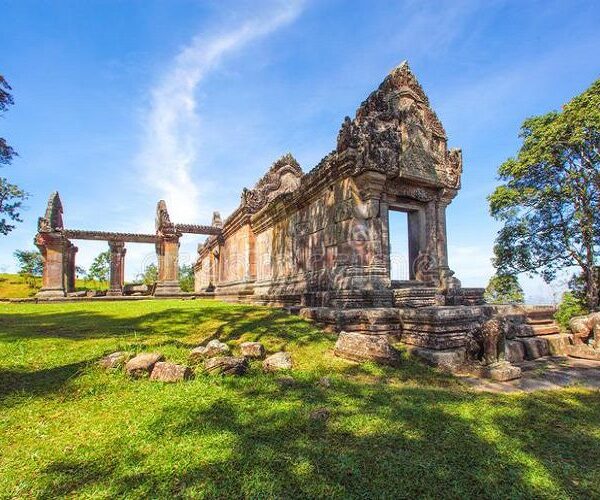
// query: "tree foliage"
[[570, 306], [31, 265], [186, 278], [504, 289], [550, 197], [150, 274], [11, 195], [100, 267]]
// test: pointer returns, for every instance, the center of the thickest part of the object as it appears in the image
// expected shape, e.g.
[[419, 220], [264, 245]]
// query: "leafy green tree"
[[186, 278], [11, 195], [31, 265], [100, 268], [570, 306], [150, 274], [504, 289], [549, 201]]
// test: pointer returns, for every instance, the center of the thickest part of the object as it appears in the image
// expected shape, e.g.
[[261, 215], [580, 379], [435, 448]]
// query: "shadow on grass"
[[385, 443], [232, 321], [405, 432], [38, 382]]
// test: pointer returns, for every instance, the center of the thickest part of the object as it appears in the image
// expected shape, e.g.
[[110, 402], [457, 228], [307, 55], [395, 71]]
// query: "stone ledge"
[[584, 352], [452, 360], [362, 347]]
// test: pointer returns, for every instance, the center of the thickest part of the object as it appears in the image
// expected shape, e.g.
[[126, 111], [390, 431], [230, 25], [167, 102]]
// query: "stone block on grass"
[[114, 360], [226, 365], [365, 347], [278, 361], [252, 350], [170, 372], [142, 364]]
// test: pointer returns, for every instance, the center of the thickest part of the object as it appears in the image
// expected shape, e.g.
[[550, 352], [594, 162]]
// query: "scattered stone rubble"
[[252, 350], [226, 365], [170, 372], [214, 356]]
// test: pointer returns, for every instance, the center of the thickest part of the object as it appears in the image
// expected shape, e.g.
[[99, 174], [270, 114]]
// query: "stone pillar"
[[212, 263], [167, 250], [52, 248], [70, 266], [371, 239], [117, 268], [384, 214], [446, 275]]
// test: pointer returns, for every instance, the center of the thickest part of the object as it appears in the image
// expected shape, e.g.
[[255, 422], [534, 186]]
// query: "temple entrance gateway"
[[58, 252]]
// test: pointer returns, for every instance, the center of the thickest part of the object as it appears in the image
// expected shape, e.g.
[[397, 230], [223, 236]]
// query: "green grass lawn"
[[14, 286], [69, 429]]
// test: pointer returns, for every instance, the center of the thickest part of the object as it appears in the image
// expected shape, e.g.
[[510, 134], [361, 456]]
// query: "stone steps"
[[546, 329], [416, 297]]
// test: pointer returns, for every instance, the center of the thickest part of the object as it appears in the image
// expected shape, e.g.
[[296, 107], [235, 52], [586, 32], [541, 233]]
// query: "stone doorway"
[[398, 246], [406, 241]]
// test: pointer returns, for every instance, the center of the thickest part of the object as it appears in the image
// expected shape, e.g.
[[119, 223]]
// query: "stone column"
[[446, 275], [384, 214], [52, 248], [168, 266], [368, 216], [71, 273], [117, 267]]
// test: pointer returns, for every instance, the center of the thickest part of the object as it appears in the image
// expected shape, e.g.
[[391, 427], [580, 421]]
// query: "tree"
[[31, 265], [150, 274], [569, 307], [550, 199], [100, 268], [11, 195], [504, 289], [186, 278]]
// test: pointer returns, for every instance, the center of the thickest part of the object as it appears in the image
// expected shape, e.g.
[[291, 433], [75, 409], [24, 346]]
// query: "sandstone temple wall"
[[322, 238]]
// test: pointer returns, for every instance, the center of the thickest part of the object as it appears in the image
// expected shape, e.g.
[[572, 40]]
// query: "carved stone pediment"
[[283, 177], [396, 132], [52, 219], [164, 227]]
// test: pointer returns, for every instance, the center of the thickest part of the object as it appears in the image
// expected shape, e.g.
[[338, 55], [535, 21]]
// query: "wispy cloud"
[[169, 150]]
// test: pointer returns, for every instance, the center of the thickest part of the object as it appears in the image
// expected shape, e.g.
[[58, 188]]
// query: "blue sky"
[[121, 103]]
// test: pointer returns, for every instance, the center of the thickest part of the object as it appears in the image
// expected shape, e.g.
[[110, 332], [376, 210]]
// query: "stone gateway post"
[[58, 252]]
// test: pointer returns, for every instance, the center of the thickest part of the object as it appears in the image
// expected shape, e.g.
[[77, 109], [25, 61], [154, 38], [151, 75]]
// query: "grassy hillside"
[[67, 428], [15, 286]]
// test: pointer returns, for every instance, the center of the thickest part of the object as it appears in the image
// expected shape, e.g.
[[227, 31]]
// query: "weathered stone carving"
[[282, 177], [52, 220], [397, 133]]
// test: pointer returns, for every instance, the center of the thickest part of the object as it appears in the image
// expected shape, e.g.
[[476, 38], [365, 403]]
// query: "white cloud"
[[472, 264], [171, 124]]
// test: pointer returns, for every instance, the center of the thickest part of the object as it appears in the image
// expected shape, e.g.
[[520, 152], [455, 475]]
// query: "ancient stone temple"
[[321, 239], [318, 242]]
